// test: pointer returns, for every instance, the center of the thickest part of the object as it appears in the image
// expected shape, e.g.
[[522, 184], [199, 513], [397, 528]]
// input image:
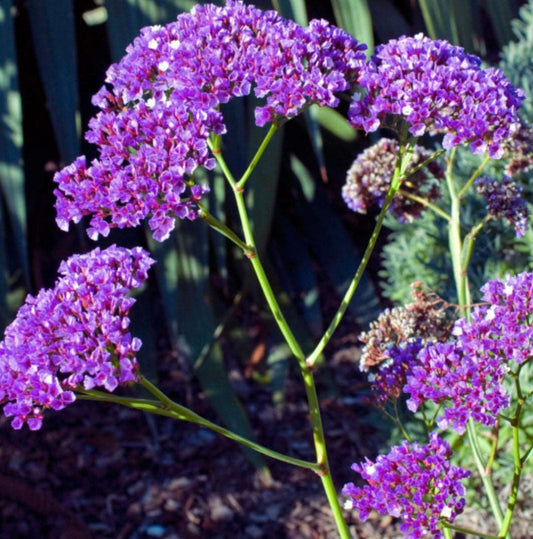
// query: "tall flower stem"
[[309, 383], [455, 243], [166, 407], [518, 461], [404, 156]]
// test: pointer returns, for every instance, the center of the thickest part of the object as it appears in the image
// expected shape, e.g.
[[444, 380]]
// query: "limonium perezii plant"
[[160, 120]]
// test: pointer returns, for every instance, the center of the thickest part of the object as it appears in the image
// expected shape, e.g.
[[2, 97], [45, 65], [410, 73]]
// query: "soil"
[[98, 471]]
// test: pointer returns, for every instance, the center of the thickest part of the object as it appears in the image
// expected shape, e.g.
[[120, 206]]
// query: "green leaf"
[[332, 246], [295, 270], [335, 123], [449, 20], [501, 13], [388, 22], [53, 33], [293, 9], [11, 140], [354, 16], [436, 18]]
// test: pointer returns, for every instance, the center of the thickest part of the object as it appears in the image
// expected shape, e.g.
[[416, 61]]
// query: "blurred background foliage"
[[53, 57]]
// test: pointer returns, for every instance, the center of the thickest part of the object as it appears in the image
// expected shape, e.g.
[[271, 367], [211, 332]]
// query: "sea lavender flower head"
[[466, 375], [73, 335], [162, 102], [370, 175], [414, 483], [437, 88], [504, 201]]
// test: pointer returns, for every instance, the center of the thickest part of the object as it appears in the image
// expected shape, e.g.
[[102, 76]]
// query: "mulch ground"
[[98, 471]]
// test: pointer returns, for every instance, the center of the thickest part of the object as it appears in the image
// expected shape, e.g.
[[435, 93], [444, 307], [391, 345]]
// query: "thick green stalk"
[[402, 162], [461, 280], [518, 462], [168, 408]]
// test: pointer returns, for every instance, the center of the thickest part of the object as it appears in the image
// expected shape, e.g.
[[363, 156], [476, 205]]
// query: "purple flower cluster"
[[414, 483], [465, 379], [466, 375], [387, 381], [509, 315], [370, 175], [504, 201], [437, 88], [162, 102], [75, 334]]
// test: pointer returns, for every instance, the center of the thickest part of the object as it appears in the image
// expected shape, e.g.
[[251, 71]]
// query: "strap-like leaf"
[[53, 33], [354, 16], [11, 139]]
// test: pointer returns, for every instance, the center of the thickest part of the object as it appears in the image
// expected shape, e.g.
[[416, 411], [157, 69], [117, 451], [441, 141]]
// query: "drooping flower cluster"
[[395, 338], [437, 88], [466, 375], [504, 201], [414, 483], [75, 334], [370, 175], [163, 101], [425, 320]]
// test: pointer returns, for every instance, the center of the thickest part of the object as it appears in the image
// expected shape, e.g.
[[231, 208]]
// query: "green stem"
[[426, 203], [404, 156], [518, 464], [460, 275], [309, 383], [219, 226], [258, 154], [399, 423], [468, 247], [447, 533], [431, 158], [166, 407], [468, 531], [474, 176]]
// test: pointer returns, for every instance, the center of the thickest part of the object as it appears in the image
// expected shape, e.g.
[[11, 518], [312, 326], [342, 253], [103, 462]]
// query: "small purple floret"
[[414, 483], [437, 88], [73, 335]]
